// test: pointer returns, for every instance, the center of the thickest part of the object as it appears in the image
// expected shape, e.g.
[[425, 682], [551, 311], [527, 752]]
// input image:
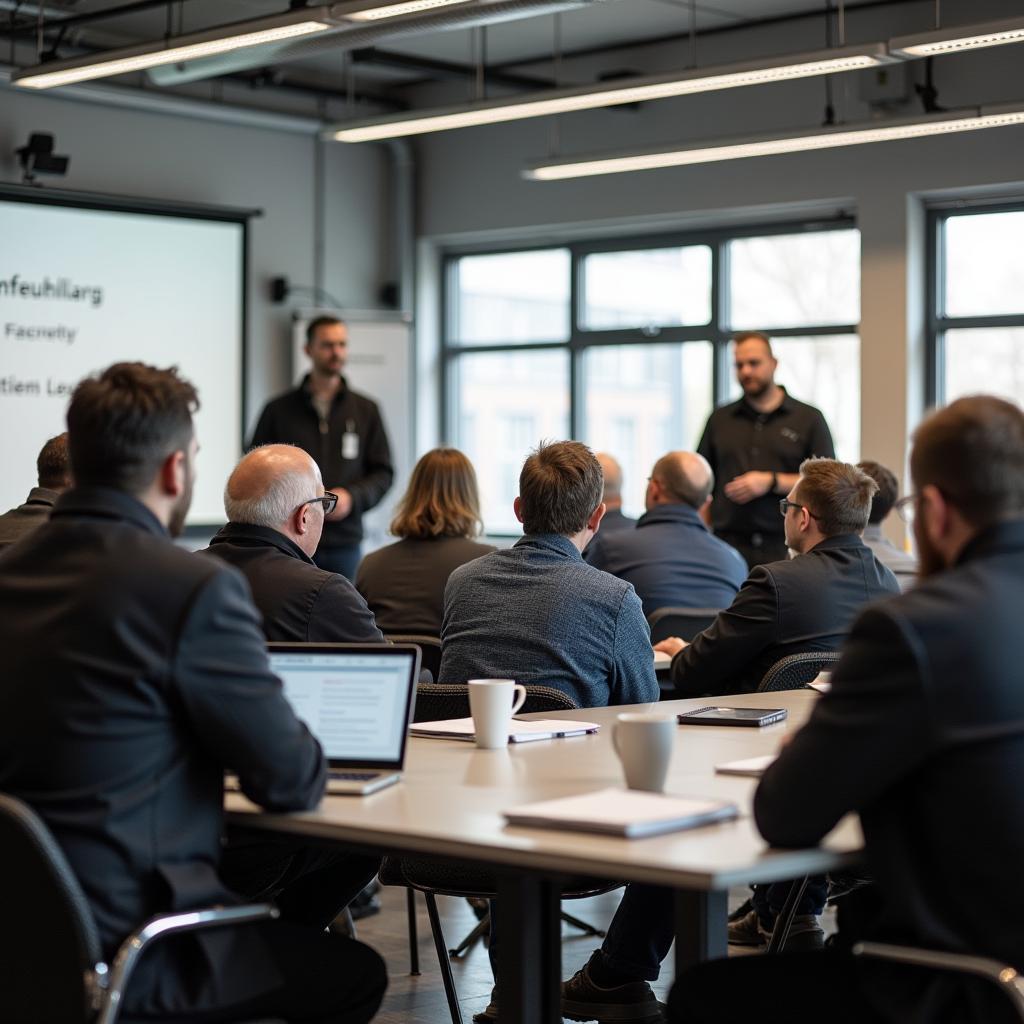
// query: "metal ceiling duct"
[[355, 35]]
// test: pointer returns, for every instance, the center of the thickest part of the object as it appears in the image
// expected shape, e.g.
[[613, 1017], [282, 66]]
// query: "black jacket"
[[807, 603], [134, 674], [293, 419], [21, 521], [297, 600], [923, 736]]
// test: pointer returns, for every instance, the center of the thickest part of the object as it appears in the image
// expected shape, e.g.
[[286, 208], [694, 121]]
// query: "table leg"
[[701, 927], [529, 950]]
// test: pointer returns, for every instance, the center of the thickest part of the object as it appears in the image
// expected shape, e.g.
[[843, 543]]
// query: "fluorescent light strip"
[[959, 39], [40, 78], [395, 10], [616, 164], [583, 98]]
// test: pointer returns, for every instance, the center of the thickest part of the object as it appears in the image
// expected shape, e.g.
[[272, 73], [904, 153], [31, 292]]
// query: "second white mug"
[[491, 705], [644, 745]]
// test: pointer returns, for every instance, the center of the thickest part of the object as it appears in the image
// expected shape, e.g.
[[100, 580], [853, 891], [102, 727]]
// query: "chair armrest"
[[131, 949], [1003, 975]]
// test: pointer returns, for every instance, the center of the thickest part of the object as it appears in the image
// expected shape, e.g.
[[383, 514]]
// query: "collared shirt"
[[25, 518], [672, 560], [298, 600], [738, 439], [903, 566], [537, 613]]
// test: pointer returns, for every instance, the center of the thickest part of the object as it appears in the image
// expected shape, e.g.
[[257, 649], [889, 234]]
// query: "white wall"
[[167, 156], [471, 189]]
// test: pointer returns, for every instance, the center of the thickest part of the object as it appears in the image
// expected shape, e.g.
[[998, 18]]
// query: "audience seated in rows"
[[135, 673], [276, 507], [54, 477], [922, 736], [671, 558], [804, 603], [536, 612], [903, 566], [437, 521]]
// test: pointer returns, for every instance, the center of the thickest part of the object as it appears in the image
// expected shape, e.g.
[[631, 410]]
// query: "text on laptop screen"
[[354, 704]]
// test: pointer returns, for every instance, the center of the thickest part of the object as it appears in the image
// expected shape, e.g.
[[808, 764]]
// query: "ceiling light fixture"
[[959, 38], [795, 142], [634, 90], [376, 12], [182, 48]]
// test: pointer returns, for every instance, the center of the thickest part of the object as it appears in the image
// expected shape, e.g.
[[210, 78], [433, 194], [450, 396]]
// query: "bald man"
[[671, 558], [276, 505], [613, 520]]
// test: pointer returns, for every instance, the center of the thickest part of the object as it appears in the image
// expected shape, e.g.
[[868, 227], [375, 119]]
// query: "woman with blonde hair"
[[437, 519]]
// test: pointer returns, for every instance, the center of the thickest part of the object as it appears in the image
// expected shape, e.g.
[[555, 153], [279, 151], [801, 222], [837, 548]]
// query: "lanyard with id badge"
[[350, 441]]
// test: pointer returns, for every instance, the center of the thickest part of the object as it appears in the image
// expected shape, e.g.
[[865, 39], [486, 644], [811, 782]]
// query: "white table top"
[[450, 800]]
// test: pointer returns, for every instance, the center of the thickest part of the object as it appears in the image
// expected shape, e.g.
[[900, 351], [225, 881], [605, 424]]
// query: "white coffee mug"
[[491, 705], [644, 742]]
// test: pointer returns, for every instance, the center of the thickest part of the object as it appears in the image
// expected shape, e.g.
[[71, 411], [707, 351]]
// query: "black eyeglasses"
[[785, 505], [329, 502]]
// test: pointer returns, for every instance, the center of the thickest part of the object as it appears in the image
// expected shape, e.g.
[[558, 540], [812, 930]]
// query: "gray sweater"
[[537, 613]]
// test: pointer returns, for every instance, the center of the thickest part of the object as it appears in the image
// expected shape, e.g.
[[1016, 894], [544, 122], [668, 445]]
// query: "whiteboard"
[[380, 367]]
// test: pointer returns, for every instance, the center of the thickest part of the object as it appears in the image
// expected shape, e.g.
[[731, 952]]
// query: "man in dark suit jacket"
[[922, 735], [806, 603], [803, 604], [134, 675], [54, 476], [276, 507], [671, 558]]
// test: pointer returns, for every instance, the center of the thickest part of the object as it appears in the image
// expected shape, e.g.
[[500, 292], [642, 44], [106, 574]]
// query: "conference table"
[[450, 802]]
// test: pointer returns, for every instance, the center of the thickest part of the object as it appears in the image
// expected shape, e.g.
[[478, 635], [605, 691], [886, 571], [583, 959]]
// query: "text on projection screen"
[[81, 289]]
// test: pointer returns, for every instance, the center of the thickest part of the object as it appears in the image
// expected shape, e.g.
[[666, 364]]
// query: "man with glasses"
[[921, 736], [276, 507], [806, 603]]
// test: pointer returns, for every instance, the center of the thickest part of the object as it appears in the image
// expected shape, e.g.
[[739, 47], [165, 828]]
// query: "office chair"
[[51, 962], [795, 671], [430, 649], [433, 878], [684, 623]]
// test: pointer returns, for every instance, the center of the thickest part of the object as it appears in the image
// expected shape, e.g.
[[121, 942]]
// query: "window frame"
[[717, 331], [937, 323]]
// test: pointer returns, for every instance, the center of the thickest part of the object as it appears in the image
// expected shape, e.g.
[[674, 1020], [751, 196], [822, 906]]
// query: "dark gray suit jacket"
[[298, 600], [21, 521], [922, 734], [135, 673], [807, 603]]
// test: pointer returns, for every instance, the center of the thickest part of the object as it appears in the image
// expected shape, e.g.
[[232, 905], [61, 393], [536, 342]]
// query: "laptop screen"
[[357, 701]]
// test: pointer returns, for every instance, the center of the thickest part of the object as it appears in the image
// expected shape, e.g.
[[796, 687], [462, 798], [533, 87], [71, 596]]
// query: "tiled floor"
[[421, 1000]]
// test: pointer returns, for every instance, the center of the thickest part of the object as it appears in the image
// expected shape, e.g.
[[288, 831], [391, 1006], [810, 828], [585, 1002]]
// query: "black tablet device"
[[733, 716]]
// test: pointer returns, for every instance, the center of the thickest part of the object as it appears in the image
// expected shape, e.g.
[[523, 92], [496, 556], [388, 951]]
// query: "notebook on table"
[[519, 731], [630, 813], [357, 700], [751, 766]]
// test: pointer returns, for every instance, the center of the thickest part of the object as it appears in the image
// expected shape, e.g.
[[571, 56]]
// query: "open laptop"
[[357, 700]]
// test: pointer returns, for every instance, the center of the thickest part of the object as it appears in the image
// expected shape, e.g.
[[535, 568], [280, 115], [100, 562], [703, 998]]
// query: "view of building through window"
[[630, 371]]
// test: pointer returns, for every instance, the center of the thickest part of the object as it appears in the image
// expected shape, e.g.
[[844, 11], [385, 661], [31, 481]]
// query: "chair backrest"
[[684, 623], [436, 702], [430, 652], [795, 671], [49, 943]]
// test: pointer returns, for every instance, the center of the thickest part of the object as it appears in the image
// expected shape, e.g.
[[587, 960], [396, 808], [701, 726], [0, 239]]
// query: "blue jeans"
[[343, 560], [768, 900]]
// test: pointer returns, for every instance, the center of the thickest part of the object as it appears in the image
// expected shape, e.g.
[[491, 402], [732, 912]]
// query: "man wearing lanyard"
[[755, 447], [343, 432]]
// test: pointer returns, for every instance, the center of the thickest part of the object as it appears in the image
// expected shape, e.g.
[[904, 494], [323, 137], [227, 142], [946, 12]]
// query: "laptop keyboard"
[[354, 776]]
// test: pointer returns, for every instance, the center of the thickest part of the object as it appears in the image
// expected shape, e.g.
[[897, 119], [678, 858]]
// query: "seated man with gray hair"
[[276, 505]]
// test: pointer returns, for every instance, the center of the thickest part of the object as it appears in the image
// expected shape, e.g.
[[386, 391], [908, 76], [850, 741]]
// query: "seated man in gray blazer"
[[54, 476], [276, 506]]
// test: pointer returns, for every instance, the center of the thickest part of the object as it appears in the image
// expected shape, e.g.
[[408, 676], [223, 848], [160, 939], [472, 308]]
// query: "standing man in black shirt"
[[755, 447], [343, 432]]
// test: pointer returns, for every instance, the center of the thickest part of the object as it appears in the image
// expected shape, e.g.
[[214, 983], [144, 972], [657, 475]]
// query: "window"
[[624, 345], [977, 304]]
